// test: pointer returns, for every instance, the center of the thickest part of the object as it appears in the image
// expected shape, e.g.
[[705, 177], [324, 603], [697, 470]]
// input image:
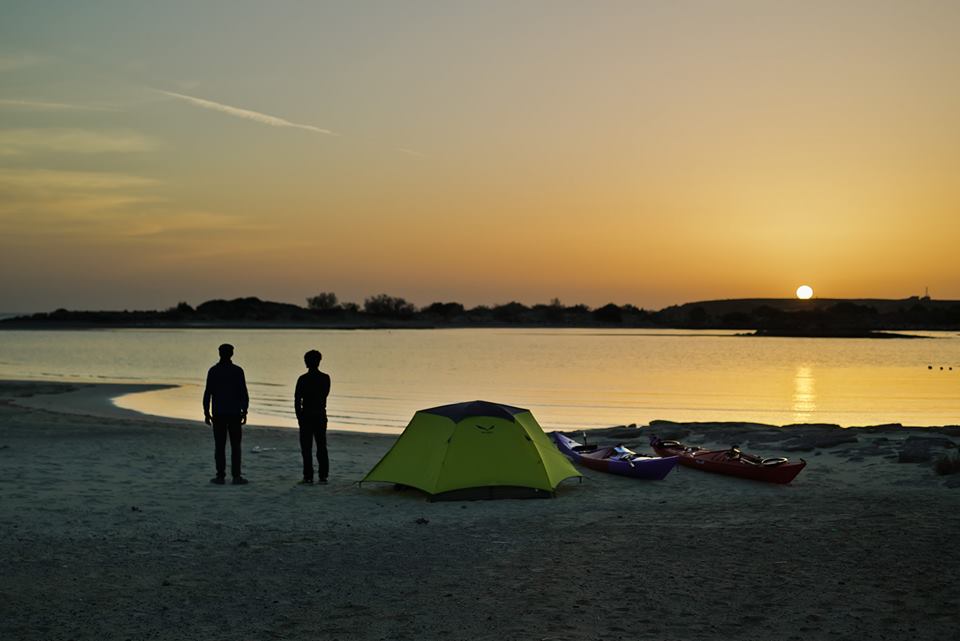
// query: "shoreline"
[[97, 401], [93, 399], [113, 531]]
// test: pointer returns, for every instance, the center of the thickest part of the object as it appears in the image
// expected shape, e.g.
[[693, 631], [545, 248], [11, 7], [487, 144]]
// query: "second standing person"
[[310, 404]]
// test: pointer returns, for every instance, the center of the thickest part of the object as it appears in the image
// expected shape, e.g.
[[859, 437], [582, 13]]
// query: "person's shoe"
[[322, 482], [239, 480], [306, 482], [217, 480]]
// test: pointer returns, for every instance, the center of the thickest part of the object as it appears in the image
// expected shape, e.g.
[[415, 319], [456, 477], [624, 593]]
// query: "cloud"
[[49, 179], [82, 141], [33, 196], [92, 206], [178, 225], [246, 114], [41, 105], [410, 152], [10, 62], [41, 203]]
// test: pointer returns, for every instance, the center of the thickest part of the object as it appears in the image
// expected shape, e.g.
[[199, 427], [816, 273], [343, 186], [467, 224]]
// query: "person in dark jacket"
[[310, 404], [227, 389]]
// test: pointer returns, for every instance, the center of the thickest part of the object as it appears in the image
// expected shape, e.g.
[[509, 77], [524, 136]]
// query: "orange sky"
[[650, 153]]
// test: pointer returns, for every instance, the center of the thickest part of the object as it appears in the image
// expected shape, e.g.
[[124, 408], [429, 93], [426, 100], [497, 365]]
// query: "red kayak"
[[731, 461]]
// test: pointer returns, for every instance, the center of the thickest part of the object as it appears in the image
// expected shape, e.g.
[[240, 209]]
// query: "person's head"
[[226, 352], [312, 359]]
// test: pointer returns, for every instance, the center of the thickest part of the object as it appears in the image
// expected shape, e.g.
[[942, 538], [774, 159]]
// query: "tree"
[[512, 312], [322, 302], [384, 305], [609, 313], [554, 311], [445, 310]]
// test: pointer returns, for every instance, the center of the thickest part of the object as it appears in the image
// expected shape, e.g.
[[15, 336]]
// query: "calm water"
[[569, 378]]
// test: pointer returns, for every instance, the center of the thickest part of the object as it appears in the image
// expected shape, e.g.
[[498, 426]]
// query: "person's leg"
[[236, 435], [323, 462], [219, 447], [306, 449]]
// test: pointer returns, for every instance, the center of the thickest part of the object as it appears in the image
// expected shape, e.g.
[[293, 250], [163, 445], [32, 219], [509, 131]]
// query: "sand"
[[109, 529]]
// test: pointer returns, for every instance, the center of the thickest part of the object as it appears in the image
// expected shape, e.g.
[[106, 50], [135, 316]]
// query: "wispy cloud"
[[39, 194], [73, 180], [10, 62], [82, 141], [99, 207], [410, 152], [179, 224], [246, 114], [42, 105]]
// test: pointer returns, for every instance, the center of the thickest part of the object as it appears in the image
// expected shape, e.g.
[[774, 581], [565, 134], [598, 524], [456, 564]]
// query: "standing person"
[[310, 403], [227, 388]]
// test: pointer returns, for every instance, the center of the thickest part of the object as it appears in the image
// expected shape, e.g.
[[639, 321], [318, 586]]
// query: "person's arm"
[[326, 389], [298, 398], [206, 400], [244, 398]]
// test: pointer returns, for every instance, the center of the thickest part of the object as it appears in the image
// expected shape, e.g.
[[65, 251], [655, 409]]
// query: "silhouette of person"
[[227, 388], [310, 404]]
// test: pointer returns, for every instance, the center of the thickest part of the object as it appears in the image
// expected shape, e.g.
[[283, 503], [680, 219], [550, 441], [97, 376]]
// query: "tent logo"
[[486, 429]]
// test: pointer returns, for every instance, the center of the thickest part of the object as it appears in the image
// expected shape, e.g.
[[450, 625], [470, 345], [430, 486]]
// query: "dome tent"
[[474, 450]]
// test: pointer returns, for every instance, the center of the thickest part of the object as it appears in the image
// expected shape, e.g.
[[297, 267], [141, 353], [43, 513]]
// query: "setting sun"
[[804, 292]]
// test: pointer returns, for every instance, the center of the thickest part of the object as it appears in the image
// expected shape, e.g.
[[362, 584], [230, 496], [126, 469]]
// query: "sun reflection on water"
[[804, 394]]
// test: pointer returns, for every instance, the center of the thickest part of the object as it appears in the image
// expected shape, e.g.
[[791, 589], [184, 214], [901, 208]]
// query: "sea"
[[569, 378]]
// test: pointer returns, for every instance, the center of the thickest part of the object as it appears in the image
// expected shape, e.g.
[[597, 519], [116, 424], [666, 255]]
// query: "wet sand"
[[109, 529]]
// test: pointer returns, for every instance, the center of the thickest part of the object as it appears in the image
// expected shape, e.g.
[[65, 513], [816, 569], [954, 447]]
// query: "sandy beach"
[[109, 529]]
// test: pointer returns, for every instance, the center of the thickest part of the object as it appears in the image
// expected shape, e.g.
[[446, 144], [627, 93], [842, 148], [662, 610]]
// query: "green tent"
[[474, 450]]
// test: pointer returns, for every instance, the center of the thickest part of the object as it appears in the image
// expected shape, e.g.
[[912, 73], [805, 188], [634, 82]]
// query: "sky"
[[650, 153]]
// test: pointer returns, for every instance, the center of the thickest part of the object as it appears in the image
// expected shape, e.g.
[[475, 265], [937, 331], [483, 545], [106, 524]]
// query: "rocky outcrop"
[[919, 449]]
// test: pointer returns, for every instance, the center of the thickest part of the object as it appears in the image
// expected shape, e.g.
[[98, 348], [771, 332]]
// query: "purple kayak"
[[615, 460]]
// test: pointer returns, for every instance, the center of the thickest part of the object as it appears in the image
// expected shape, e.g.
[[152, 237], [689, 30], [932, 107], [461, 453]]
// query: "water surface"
[[570, 378]]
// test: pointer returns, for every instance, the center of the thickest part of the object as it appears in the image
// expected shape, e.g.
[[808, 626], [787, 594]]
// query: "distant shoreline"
[[816, 318], [828, 333]]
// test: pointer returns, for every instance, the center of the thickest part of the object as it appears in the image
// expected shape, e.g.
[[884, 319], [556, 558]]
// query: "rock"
[[820, 426], [620, 432], [916, 449], [812, 440], [767, 436]]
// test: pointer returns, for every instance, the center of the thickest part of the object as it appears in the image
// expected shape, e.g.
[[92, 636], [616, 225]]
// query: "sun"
[[804, 292]]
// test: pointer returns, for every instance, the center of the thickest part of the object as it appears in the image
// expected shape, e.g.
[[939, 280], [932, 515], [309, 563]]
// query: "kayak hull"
[[719, 462], [642, 467]]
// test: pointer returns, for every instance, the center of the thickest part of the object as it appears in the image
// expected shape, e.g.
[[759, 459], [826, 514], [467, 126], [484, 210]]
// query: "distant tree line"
[[555, 312], [325, 309]]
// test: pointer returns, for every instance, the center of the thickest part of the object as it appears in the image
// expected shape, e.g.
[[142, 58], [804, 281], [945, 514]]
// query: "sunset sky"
[[636, 152]]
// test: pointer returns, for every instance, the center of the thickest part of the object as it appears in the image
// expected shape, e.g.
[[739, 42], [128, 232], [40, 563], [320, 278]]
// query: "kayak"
[[731, 461], [615, 460]]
